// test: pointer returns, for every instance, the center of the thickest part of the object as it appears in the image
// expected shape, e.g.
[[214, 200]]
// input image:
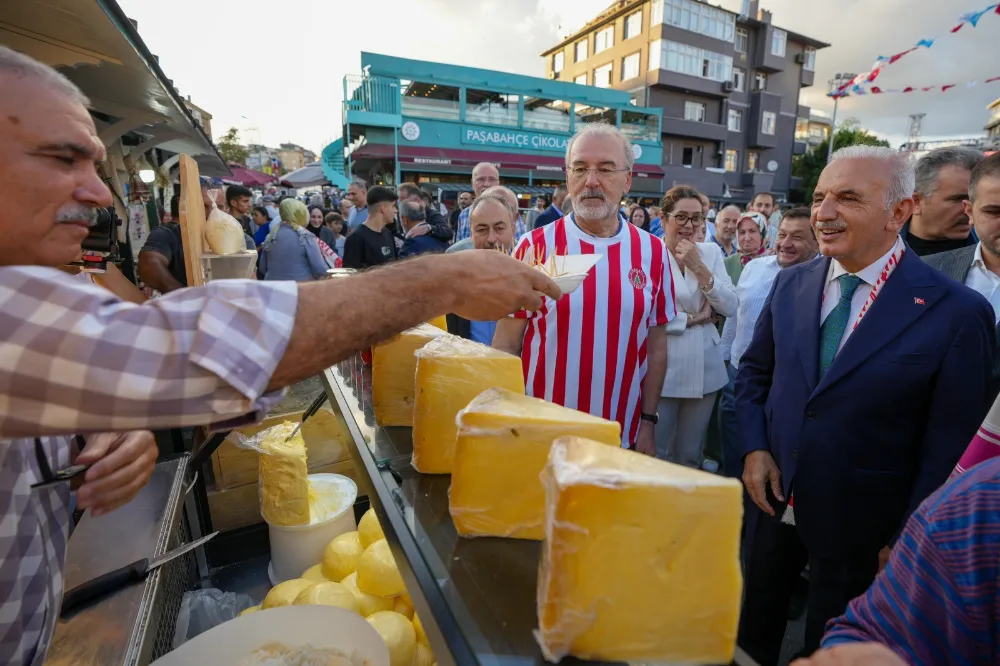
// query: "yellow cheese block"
[[393, 370], [367, 603], [424, 656], [640, 560], [451, 372], [315, 574], [440, 322], [399, 637], [341, 556], [377, 572], [284, 594], [503, 443], [419, 628], [328, 594], [284, 477], [369, 529], [403, 608]]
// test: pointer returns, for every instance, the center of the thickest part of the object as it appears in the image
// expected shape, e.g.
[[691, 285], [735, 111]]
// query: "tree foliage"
[[231, 149], [809, 166]]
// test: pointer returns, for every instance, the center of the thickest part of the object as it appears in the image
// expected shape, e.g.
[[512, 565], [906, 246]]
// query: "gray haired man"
[[939, 222], [412, 215]]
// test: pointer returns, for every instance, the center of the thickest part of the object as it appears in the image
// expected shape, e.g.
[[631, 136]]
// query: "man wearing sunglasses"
[[74, 358]]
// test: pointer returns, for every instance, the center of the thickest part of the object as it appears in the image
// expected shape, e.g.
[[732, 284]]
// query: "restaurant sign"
[[500, 138]]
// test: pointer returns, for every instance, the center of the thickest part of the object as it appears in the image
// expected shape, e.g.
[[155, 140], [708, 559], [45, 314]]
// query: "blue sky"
[[294, 53]]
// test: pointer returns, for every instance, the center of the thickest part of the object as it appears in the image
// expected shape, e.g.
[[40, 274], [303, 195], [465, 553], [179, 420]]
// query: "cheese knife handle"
[[104, 584]]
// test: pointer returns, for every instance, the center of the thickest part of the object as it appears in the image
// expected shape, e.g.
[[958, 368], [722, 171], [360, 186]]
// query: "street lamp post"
[[835, 84]]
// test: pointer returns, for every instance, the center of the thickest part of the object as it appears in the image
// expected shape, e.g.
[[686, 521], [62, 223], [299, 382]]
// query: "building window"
[[810, 63], [581, 50], [602, 76], [630, 67], [779, 39], [760, 81], [739, 79], [687, 156], [557, 62], [581, 80], [486, 107], [801, 129], [768, 122], [694, 16], [753, 158], [604, 39], [633, 25], [694, 111], [742, 40], [691, 60], [735, 120], [732, 160]]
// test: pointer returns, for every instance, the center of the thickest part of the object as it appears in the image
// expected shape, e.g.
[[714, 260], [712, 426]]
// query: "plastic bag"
[[202, 610], [282, 476], [223, 234]]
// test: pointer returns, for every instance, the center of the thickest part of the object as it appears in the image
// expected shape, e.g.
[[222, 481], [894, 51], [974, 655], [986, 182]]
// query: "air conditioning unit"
[[800, 58], [728, 86]]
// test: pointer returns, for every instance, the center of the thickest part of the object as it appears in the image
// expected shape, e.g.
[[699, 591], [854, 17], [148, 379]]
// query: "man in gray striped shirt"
[[796, 243]]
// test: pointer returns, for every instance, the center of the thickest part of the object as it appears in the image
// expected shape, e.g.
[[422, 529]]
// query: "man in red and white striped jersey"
[[603, 348]]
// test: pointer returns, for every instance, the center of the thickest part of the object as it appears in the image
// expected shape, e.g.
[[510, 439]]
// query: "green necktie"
[[832, 331]]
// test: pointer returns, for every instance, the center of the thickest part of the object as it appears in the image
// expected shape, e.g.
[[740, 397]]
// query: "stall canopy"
[[249, 177], [307, 176], [94, 44]]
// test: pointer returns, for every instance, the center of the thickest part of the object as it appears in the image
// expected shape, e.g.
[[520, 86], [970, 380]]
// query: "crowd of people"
[[848, 348]]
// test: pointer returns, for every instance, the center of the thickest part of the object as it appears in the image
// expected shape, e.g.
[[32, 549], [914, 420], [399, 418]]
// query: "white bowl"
[[318, 626]]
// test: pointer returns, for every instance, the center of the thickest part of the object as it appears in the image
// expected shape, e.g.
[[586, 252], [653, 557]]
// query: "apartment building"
[[728, 85], [993, 124], [814, 130]]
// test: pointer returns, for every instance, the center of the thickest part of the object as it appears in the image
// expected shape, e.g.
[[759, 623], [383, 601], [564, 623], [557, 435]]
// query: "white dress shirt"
[[985, 281], [751, 292], [869, 276], [694, 359]]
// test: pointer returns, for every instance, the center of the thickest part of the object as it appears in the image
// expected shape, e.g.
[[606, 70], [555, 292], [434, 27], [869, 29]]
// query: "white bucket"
[[295, 548]]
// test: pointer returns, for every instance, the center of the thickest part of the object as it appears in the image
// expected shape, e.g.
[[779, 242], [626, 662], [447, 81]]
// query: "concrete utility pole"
[[835, 84]]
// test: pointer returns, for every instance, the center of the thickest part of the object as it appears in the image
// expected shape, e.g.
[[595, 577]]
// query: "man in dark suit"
[[978, 266], [553, 212], [867, 376]]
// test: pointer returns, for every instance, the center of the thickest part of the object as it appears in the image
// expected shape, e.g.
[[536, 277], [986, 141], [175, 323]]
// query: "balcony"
[[763, 59], [372, 100], [761, 103], [799, 147], [694, 129], [686, 83], [760, 181], [803, 111], [808, 78]]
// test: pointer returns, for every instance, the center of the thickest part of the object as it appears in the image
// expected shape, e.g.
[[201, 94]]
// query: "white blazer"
[[695, 366]]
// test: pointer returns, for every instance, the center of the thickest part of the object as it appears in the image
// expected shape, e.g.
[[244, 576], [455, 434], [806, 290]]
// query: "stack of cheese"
[[393, 368], [640, 560], [451, 371], [358, 573]]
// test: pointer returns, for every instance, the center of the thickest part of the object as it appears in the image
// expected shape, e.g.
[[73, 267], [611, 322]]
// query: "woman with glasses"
[[695, 368]]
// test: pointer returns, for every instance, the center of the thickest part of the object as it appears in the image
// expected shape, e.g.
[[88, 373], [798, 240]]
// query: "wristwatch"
[[652, 418]]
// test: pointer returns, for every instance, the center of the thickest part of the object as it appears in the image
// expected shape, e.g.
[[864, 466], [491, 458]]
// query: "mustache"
[[592, 194], [77, 213], [831, 226]]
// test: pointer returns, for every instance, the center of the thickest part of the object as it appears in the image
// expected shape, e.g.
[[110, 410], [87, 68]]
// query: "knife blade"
[[122, 577]]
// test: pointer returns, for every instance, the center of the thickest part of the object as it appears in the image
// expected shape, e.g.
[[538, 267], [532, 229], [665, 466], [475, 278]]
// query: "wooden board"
[[192, 212], [238, 507], [327, 440]]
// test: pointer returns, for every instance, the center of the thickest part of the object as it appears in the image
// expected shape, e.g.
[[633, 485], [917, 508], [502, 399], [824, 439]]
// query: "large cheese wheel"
[[367, 603], [403, 608], [328, 594], [315, 574], [377, 572], [342, 555], [399, 637], [248, 611], [284, 594], [369, 530]]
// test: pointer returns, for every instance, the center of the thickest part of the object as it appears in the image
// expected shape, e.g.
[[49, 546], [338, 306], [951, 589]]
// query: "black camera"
[[101, 244]]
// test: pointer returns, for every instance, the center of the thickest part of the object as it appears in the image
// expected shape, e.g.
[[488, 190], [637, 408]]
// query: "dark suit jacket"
[[956, 265], [863, 446], [549, 215]]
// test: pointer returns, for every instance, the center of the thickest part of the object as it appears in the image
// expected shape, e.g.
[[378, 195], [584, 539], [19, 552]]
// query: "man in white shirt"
[[978, 266], [796, 244], [357, 192]]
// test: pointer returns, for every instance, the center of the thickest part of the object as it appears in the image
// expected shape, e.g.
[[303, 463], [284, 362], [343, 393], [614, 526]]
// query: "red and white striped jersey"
[[587, 350]]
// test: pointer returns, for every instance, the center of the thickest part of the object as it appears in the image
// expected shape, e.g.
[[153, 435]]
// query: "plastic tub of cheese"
[[290, 634], [295, 548]]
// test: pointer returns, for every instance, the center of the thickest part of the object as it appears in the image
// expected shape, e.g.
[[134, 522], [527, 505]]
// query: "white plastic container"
[[296, 548], [318, 626]]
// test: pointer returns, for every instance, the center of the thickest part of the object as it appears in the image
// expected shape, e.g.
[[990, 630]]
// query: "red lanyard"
[[887, 270]]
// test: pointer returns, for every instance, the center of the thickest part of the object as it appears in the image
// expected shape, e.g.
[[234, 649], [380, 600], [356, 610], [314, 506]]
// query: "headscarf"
[[294, 213], [761, 223]]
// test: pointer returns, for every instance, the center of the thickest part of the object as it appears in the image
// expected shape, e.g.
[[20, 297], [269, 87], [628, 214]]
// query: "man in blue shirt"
[[357, 192]]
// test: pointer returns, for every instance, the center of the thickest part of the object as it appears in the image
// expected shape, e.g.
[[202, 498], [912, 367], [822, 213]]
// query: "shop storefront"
[[408, 120]]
